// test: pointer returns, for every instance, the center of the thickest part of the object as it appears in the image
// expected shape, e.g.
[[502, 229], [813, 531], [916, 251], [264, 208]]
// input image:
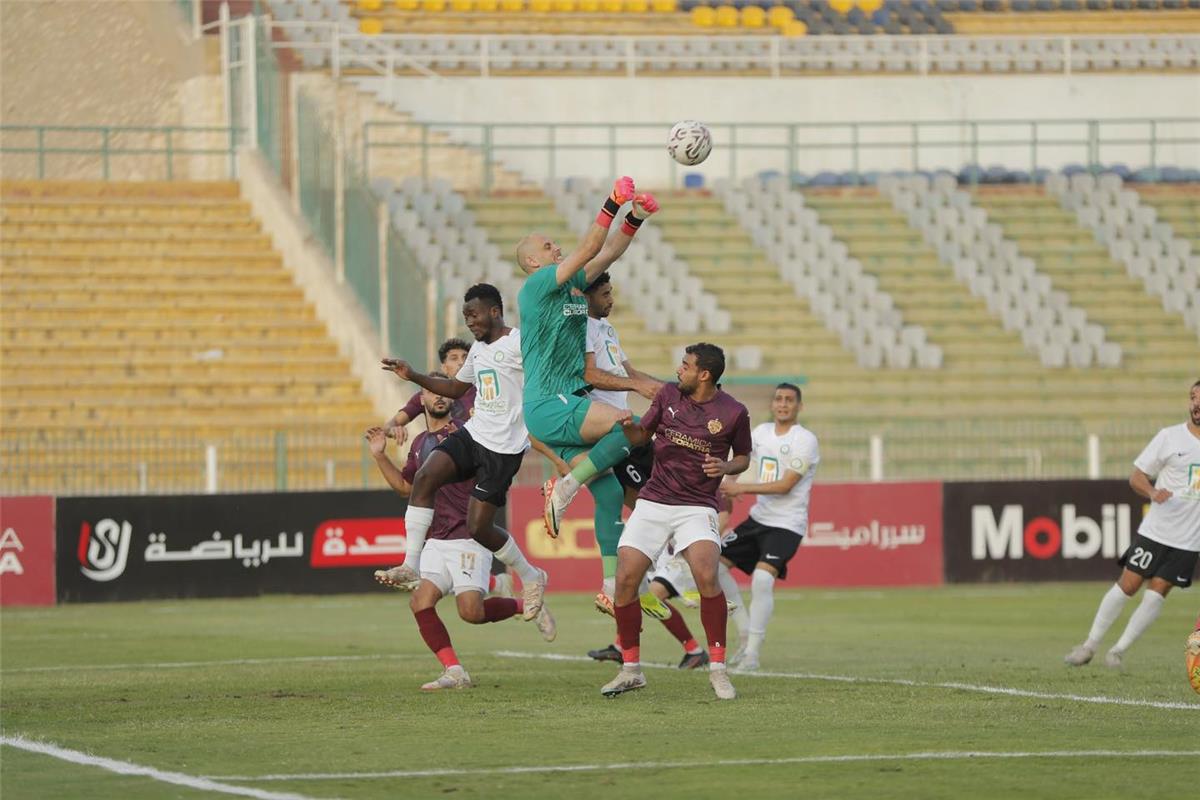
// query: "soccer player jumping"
[[554, 312]]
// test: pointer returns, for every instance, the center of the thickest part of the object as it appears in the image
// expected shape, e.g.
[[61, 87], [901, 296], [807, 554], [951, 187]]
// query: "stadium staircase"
[[142, 322]]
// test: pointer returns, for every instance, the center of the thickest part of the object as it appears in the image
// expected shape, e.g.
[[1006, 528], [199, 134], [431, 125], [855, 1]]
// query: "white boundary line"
[[968, 687], [127, 768], [733, 762], [227, 663]]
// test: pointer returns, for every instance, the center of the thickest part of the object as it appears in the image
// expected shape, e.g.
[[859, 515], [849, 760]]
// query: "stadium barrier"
[[85, 549]]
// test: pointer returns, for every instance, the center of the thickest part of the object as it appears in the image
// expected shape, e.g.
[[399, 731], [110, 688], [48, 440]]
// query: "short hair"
[[708, 357], [452, 344], [602, 280], [486, 292], [1194, 385], [791, 387]]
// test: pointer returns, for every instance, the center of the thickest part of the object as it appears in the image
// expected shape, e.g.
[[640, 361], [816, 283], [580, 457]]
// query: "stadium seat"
[[753, 17]]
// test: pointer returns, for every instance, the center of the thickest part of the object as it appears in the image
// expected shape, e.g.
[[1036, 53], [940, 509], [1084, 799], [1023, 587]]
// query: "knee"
[[473, 615], [762, 581]]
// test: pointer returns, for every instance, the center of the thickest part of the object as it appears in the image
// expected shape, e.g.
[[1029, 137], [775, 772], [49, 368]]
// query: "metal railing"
[[91, 462], [117, 148], [551, 150], [487, 55]]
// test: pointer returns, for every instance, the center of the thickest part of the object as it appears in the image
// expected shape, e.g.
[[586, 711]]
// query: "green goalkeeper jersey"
[[553, 333]]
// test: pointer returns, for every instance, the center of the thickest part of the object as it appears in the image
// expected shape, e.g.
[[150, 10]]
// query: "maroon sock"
[[436, 637], [496, 609], [629, 630], [714, 615], [678, 628]]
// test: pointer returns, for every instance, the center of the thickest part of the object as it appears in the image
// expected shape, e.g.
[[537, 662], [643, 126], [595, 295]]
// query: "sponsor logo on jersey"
[[614, 354], [768, 470], [1194, 477], [715, 426], [574, 310], [489, 385]]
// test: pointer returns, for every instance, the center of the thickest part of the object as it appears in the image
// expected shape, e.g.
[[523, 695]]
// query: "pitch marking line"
[[127, 768], [227, 663], [968, 687], [734, 762]]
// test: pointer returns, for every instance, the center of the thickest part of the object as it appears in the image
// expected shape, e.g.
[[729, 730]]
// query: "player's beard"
[[439, 414]]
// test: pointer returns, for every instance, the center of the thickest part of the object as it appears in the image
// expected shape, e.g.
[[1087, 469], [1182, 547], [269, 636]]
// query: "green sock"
[[609, 497], [611, 450]]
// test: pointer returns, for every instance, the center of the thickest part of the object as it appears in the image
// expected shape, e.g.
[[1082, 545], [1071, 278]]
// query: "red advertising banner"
[[27, 551], [862, 534], [372, 542]]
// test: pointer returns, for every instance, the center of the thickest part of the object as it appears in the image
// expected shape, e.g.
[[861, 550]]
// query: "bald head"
[[535, 251]]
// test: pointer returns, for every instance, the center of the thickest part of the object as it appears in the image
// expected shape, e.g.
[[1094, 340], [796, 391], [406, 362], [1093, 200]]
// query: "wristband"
[[605, 218], [631, 224]]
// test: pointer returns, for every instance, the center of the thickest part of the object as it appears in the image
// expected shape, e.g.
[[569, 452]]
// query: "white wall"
[[810, 100]]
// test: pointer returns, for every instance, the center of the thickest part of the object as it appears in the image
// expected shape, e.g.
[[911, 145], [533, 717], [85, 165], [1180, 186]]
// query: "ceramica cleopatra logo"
[[104, 550]]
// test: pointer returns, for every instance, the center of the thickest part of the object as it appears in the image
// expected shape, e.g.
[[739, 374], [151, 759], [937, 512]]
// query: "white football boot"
[[453, 678]]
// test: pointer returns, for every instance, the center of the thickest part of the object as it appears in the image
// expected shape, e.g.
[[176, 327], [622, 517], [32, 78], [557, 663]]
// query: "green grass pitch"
[[330, 685]]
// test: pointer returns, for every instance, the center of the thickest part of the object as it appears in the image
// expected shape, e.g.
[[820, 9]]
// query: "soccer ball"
[[689, 143], [1192, 654]]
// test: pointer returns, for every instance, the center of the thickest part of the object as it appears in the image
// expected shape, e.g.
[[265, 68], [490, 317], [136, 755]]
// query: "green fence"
[[270, 91], [113, 152]]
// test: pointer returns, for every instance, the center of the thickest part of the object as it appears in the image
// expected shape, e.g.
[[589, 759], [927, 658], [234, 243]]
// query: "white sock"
[[1141, 619], [729, 586], [1110, 608], [416, 525], [512, 556], [762, 605], [609, 587]]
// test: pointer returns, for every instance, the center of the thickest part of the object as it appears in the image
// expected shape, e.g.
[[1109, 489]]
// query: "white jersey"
[[498, 374], [796, 451], [602, 340], [1173, 459]]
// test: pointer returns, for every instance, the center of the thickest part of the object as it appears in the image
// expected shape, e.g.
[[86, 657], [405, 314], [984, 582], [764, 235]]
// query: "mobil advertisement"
[[1038, 530], [130, 548], [27, 551], [880, 534]]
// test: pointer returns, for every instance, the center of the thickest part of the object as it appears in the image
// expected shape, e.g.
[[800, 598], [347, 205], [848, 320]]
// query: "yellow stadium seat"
[[637, 6], [462, 6], [589, 6], [841, 6], [540, 6], [869, 6], [433, 5], [780, 16], [795, 28], [664, 6], [512, 5], [408, 5], [727, 17], [611, 6], [487, 6], [370, 26], [566, 6], [753, 17], [369, 5], [704, 16]]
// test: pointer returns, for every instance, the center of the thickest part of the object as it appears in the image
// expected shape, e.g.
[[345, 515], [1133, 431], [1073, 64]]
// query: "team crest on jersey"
[[499, 357], [715, 426], [489, 385], [787, 448]]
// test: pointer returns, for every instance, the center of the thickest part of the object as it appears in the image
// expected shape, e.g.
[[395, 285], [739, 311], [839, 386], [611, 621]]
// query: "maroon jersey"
[[450, 502], [685, 432], [460, 409]]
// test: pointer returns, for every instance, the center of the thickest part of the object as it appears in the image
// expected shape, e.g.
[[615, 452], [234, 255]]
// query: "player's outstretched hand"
[[377, 440], [623, 190], [1161, 495], [397, 432], [648, 388], [644, 204], [399, 366], [731, 489], [713, 467]]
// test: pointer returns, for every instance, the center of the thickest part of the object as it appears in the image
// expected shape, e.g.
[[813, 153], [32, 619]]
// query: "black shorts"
[[1152, 559], [634, 472], [754, 542], [493, 473], [672, 592]]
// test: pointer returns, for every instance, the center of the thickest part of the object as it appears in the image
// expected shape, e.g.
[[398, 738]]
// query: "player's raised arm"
[[644, 205], [592, 242], [446, 387], [377, 440]]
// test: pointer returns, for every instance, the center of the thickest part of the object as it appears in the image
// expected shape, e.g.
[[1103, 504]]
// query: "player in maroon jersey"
[[452, 354], [451, 560], [695, 426]]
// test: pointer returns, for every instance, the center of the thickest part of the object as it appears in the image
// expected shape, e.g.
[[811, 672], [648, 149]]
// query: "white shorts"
[[652, 524], [675, 571], [456, 565]]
